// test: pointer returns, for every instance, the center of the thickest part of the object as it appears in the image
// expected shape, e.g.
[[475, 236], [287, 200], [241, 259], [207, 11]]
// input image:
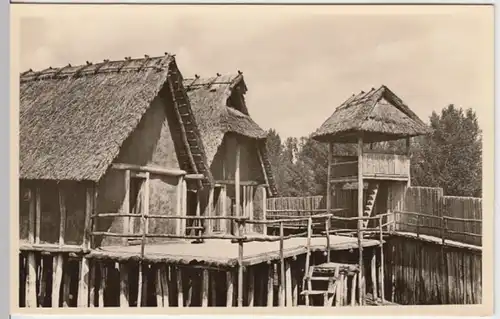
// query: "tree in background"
[[450, 157]]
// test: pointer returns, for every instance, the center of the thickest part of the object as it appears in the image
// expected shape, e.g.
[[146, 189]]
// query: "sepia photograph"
[[176, 156]]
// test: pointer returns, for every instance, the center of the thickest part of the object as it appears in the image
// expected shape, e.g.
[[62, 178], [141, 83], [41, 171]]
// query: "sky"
[[299, 62]]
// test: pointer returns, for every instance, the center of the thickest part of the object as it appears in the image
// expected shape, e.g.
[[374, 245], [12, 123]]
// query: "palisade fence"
[[426, 211]]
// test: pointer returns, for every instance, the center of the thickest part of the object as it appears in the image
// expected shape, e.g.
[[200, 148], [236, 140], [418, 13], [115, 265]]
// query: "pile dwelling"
[[139, 188]]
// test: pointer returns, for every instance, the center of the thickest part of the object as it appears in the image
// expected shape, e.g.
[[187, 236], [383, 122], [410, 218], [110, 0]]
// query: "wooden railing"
[[439, 224], [374, 165]]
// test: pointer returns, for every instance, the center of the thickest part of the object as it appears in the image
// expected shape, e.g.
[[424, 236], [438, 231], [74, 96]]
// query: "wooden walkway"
[[220, 252]]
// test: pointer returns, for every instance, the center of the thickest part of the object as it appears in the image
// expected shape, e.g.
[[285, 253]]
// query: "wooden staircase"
[[333, 281], [372, 192]]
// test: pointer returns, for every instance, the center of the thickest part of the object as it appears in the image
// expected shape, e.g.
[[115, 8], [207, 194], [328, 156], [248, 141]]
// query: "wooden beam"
[[149, 169], [242, 183]]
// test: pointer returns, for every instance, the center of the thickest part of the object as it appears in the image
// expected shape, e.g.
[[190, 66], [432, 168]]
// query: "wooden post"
[[230, 288], [210, 211], [329, 179], [288, 284], [184, 206], [360, 221], [327, 232], [282, 269], [92, 281], [83, 283], [38, 214], [381, 269], [127, 221], [204, 288], [102, 283], [270, 285], [237, 180], [251, 287], [124, 286], [308, 255], [139, 284], [408, 153], [44, 274], [62, 212], [159, 286], [374, 274], [295, 288], [56, 279], [66, 281], [145, 213], [264, 209], [353, 290], [241, 226], [32, 216], [31, 301], [178, 208], [180, 288], [223, 222], [250, 207]]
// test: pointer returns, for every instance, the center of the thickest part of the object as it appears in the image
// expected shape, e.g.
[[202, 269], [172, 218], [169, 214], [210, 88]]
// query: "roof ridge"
[[158, 63]]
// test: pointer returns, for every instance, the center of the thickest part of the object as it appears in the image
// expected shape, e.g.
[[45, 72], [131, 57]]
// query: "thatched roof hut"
[[219, 108], [74, 119], [379, 114]]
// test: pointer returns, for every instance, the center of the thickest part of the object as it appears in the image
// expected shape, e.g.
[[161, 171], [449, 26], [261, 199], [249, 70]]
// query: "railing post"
[[241, 227], [381, 269], [282, 269], [327, 231]]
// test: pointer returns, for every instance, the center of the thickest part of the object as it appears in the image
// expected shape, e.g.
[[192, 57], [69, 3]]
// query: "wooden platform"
[[220, 253]]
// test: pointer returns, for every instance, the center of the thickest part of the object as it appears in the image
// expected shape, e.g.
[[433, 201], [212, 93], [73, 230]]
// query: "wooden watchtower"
[[375, 116]]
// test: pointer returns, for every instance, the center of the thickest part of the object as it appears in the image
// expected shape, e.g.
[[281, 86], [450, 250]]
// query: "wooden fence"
[[462, 220]]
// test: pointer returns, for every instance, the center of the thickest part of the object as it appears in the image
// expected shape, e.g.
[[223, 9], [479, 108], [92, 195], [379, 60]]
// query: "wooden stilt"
[[282, 270], [270, 286], [102, 283], [190, 289], [158, 286], [38, 214], [56, 279], [329, 179], [345, 295], [140, 285], [295, 286], [31, 301], [288, 284], [180, 288], [308, 256], [374, 274], [382, 261], [205, 288], [353, 289], [230, 288], [124, 286], [44, 272], [83, 283], [92, 283], [240, 266], [213, 289], [163, 282], [66, 281], [251, 287]]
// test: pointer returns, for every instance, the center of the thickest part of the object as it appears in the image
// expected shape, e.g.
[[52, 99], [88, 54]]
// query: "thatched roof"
[[74, 119], [377, 114], [218, 111]]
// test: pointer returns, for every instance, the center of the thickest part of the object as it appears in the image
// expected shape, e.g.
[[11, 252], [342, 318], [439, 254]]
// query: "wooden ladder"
[[336, 275], [370, 202]]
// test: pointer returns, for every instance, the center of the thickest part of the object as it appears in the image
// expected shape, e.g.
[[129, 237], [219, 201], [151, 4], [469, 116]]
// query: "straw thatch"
[[379, 115], [218, 111], [74, 119]]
